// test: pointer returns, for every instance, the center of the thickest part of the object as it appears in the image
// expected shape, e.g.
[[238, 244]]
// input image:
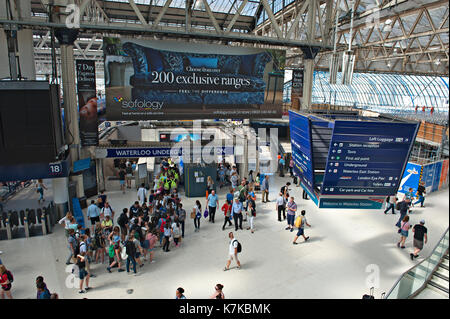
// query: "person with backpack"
[[107, 211], [72, 244], [101, 199], [291, 207], [122, 221], [181, 213], [390, 204], [300, 223], [114, 250], [130, 249], [176, 233], [99, 240], [233, 250], [6, 279], [403, 207]]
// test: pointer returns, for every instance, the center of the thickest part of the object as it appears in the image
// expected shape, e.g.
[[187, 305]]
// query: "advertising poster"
[[410, 178], [148, 80], [87, 102], [297, 88]]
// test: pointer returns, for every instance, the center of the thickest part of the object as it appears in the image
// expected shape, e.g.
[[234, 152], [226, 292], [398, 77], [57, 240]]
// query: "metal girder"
[[169, 32], [161, 13], [272, 18], [211, 16], [236, 15], [138, 12]]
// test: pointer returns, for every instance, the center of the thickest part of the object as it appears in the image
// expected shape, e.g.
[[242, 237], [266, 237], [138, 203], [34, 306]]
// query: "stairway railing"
[[413, 281]]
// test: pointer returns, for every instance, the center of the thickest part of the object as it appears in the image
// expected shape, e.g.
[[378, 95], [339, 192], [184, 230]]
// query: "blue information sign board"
[[410, 178], [300, 129], [157, 152], [24, 172], [367, 158]]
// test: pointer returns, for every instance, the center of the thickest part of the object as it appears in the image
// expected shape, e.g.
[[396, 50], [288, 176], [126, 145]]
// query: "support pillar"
[[71, 109], [309, 59], [61, 195]]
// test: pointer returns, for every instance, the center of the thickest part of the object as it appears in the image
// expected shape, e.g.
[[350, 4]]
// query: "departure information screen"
[[367, 158], [300, 129]]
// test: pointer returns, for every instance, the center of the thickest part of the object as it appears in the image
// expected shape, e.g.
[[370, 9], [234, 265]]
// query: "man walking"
[[390, 203], [212, 203], [301, 229], [93, 214], [420, 233], [265, 189], [291, 209], [281, 207], [421, 191], [233, 252], [236, 213], [403, 206]]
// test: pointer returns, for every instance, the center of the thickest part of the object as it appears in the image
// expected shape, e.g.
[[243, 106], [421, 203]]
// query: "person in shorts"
[[83, 273], [122, 175], [301, 229], [420, 237], [93, 214], [232, 252]]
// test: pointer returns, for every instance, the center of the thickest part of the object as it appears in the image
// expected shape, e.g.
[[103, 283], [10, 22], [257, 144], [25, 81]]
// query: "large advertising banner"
[[148, 80], [300, 131], [87, 102], [367, 158]]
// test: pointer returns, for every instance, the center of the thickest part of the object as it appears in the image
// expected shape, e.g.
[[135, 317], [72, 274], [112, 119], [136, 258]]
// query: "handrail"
[[415, 266]]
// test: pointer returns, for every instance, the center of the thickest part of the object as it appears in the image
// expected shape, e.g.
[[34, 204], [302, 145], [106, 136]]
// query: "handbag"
[[205, 214], [193, 214]]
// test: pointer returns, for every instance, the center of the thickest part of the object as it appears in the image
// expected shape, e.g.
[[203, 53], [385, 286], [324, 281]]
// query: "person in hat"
[[420, 236]]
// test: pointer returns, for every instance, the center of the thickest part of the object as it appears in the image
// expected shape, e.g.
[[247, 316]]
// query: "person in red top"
[[5, 283], [226, 208]]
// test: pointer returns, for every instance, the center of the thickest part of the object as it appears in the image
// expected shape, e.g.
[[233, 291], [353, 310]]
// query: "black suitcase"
[[370, 295]]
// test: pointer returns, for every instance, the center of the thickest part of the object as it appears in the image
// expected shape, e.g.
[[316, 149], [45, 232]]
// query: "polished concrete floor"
[[348, 251]]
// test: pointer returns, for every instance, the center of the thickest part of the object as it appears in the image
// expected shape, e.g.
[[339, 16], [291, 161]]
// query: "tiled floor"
[[347, 248]]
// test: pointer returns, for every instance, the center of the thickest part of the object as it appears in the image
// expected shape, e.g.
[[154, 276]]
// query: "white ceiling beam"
[[138, 12], [211, 16], [236, 15], [273, 21], [162, 13]]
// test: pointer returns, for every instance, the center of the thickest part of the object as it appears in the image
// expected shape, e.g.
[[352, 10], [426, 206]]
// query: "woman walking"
[[66, 220], [226, 208], [5, 282], [209, 186], [198, 215], [218, 294], [176, 231], [167, 234], [404, 228]]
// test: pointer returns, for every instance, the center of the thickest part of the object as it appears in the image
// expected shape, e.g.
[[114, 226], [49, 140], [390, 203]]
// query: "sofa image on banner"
[[158, 80]]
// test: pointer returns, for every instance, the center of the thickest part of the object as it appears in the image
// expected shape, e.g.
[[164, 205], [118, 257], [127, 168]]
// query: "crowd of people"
[[158, 215], [403, 224]]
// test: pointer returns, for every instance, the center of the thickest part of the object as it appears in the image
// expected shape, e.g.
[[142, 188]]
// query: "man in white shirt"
[[142, 194], [232, 252], [107, 211], [281, 206]]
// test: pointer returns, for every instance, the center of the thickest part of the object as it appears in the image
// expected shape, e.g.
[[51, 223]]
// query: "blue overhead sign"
[[33, 171], [367, 158], [300, 131]]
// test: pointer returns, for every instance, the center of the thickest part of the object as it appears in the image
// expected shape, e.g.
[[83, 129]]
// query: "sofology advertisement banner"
[[148, 80], [87, 102]]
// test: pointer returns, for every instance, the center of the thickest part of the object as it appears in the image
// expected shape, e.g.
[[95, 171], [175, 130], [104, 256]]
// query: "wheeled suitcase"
[[370, 295]]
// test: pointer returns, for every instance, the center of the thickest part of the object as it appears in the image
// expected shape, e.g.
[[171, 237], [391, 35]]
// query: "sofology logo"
[[148, 105]]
